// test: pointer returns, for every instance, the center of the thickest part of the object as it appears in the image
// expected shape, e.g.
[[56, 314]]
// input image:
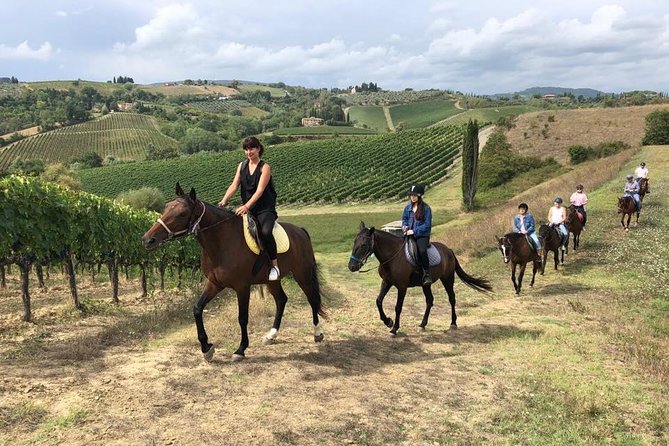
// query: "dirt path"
[[389, 119], [540, 368]]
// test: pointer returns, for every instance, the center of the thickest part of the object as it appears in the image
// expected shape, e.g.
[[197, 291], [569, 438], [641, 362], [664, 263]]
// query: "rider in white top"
[[642, 172], [556, 217]]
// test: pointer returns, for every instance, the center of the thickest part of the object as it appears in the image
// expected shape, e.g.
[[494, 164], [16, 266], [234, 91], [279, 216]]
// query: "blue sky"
[[475, 47]]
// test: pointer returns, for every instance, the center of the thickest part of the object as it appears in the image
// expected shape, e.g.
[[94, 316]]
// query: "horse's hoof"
[[319, 338], [209, 354], [422, 327], [389, 322], [392, 334], [268, 341], [237, 357], [453, 327]]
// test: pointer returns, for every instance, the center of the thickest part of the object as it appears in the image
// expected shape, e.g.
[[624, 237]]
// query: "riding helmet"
[[416, 189], [557, 200], [629, 176], [643, 164], [579, 186]]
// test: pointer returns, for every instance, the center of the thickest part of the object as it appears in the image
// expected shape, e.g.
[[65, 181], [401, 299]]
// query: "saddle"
[[253, 241], [411, 253]]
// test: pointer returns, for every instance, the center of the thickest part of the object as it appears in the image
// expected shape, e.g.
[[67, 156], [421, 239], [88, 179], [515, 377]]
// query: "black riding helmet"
[[416, 189]]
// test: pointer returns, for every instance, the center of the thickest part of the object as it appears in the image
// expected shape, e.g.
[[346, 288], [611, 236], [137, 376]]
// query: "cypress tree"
[[470, 157]]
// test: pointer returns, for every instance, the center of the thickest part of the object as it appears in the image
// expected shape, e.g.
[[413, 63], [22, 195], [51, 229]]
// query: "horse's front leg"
[[516, 286], [210, 291], [556, 258], [385, 287], [521, 274], [401, 293], [243, 296], [280, 299]]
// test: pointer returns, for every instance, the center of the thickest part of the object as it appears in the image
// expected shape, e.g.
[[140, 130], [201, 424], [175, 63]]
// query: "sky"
[[475, 46]]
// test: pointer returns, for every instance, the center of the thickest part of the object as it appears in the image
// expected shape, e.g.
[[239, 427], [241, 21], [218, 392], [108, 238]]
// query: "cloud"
[[23, 52]]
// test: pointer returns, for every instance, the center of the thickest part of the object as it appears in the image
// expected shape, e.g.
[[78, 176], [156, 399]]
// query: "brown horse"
[[516, 248], [227, 262], [643, 188], [627, 207], [396, 271], [574, 224], [550, 241]]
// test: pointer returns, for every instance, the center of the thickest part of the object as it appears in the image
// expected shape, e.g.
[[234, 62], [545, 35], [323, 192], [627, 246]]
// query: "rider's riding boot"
[[538, 258], [427, 280]]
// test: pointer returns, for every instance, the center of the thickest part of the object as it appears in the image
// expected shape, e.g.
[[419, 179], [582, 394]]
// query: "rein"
[[371, 251]]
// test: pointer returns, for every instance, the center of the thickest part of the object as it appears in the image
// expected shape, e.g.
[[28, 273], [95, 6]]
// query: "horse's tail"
[[477, 283], [315, 297]]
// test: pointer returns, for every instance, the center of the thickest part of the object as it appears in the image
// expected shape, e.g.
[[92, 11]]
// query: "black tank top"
[[249, 184]]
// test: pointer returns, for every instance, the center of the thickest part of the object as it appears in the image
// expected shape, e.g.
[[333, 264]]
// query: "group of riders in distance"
[[404, 262]]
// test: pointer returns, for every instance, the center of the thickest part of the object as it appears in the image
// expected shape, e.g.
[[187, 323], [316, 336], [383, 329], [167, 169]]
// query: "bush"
[[59, 174], [657, 128], [87, 160], [26, 167], [149, 198], [579, 154]]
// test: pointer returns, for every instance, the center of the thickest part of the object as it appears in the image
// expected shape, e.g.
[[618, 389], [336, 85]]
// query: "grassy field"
[[372, 116], [276, 92], [323, 130], [422, 114], [486, 115]]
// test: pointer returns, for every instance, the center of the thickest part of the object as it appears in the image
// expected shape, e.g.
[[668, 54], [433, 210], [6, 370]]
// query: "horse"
[[396, 271], [517, 249], [227, 262], [575, 225], [550, 241], [643, 188], [627, 207]]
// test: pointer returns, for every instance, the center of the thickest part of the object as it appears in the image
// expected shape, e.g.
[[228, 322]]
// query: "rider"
[[579, 200], [556, 217], [632, 190], [523, 223], [642, 172], [417, 222], [258, 196]]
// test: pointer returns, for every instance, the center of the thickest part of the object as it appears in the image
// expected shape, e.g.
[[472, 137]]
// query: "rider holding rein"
[[258, 196], [417, 222], [556, 217], [523, 223], [579, 200], [640, 173], [632, 190]]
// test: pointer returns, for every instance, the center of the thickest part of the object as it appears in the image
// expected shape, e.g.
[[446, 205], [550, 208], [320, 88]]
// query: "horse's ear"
[[192, 193], [362, 225], [178, 190]]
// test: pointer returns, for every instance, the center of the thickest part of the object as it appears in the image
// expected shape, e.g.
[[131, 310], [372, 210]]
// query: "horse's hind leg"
[[521, 273], [448, 283], [429, 301], [280, 298], [401, 293], [210, 291], [243, 297], [308, 282]]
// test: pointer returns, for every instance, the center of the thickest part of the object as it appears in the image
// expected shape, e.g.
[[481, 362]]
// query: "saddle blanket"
[[251, 236], [411, 252]]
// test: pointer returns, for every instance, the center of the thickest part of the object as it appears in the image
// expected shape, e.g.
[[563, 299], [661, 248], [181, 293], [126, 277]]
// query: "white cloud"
[[23, 51]]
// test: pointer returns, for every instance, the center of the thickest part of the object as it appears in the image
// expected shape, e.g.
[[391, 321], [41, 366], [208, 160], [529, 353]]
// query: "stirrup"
[[274, 273], [427, 280]]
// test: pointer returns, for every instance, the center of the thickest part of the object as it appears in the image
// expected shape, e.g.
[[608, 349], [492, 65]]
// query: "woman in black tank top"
[[258, 196]]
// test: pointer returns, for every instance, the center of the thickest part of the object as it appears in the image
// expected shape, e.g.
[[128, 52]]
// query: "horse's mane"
[[218, 211], [513, 236]]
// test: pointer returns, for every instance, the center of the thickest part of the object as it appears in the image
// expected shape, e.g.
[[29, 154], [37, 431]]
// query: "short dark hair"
[[523, 206], [252, 141]]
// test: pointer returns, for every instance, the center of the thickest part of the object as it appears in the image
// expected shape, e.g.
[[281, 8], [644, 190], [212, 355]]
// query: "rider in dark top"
[[417, 222]]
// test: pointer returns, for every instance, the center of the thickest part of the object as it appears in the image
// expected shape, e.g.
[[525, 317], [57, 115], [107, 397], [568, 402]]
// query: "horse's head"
[[177, 220], [544, 231], [623, 204], [363, 247], [504, 245]]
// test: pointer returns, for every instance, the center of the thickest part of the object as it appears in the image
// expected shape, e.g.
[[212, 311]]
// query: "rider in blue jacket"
[[523, 223], [417, 222]]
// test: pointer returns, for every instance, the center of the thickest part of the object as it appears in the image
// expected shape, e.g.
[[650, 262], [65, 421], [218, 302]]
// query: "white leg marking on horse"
[[270, 337], [318, 333]]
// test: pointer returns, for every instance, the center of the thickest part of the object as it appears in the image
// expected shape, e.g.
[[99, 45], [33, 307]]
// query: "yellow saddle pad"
[[280, 236]]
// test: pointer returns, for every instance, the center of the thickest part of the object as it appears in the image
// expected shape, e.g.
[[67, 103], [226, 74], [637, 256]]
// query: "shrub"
[[87, 160], [657, 128], [26, 167], [149, 198], [59, 174], [579, 154]]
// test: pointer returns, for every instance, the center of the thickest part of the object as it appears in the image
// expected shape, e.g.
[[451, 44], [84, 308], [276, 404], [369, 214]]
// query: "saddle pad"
[[280, 236], [432, 253]]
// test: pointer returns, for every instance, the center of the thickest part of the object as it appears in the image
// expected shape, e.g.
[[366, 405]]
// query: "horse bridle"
[[194, 228], [362, 261], [505, 244]]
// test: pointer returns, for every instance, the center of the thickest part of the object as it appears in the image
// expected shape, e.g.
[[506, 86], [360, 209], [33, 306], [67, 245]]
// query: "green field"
[[488, 115], [371, 116], [276, 92], [122, 135], [341, 169], [105, 88], [422, 114], [323, 130]]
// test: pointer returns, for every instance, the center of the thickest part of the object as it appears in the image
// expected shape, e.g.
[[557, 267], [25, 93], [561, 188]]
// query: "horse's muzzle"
[[353, 266], [150, 243]]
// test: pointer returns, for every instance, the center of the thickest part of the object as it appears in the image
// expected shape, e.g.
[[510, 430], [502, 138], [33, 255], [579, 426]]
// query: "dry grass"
[[551, 133]]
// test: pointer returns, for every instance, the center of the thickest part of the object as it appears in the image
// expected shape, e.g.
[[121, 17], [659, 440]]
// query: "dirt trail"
[[389, 119]]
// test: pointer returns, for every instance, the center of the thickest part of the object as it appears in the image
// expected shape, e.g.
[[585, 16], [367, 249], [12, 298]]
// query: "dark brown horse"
[[643, 188], [227, 262], [396, 271], [516, 248], [574, 224], [627, 207], [550, 241]]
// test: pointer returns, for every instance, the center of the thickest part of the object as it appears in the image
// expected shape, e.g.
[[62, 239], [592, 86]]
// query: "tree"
[[59, 174], [149, 198], [470, 157], [657, 128]]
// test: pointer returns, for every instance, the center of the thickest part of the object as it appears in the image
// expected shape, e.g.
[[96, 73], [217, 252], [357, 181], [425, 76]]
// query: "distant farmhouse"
[[312, 122], [125, 106]]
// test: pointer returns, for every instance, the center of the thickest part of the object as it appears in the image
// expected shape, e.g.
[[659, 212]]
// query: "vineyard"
[[334, 170], [323, 130], [219, 106], [422, 114], [392, 97], [369, 116], [122, 135], [46, 226]]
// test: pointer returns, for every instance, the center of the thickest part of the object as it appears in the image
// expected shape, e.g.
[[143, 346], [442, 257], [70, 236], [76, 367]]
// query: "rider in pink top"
[[579, 200]]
